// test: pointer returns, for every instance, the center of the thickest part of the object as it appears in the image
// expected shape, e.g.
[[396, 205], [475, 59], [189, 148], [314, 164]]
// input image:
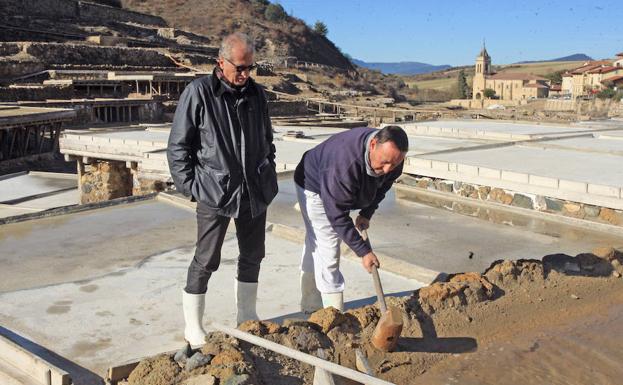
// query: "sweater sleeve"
[[337, 194], [367, 212]]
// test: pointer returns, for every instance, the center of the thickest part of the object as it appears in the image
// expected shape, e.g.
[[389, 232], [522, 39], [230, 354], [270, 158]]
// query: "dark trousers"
[[211, 230]]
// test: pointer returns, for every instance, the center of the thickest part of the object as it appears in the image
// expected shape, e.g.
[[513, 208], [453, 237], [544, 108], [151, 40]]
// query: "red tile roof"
[[514, 76], [603, 70], [589, 66], [613, 79], [555, 87]]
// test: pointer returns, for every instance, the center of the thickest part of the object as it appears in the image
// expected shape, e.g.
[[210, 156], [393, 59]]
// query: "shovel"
[[389, 327]]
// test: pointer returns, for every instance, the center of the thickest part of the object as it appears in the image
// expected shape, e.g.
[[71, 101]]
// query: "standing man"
[[221, 155], [349, 171]]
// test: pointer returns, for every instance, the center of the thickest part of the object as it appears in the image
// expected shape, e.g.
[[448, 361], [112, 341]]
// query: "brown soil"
[[473, 329]]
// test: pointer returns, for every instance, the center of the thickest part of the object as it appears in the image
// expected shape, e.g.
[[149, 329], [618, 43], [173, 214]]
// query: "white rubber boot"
[[310, 296], [193, 305], [246, 298], [333, 299]]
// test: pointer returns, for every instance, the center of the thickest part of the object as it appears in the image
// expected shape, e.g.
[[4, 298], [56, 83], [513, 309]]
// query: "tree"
[[489, 93], [607, 93], [462, 87], [555, 77], [321, 28], [275, 13]]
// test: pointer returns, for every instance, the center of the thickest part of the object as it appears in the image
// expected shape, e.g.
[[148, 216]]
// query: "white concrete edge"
[[35, 367], [504, 179], [102, 156], [55, 175], [19, 208], [576, 222], [13, 175]]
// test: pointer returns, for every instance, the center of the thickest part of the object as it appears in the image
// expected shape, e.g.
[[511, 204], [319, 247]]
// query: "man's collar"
[[220, 85], [369, 169]]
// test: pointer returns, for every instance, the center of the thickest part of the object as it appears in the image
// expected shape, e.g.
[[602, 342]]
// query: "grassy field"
[[446, 80], [541, 68], [443, 84]]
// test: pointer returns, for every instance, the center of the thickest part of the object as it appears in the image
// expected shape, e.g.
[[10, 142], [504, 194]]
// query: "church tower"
[[482, 70]]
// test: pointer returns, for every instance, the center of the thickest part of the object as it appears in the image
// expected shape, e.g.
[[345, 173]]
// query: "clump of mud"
[[445, 320]]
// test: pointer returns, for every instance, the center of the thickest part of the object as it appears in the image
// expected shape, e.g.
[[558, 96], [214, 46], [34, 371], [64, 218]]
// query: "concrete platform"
[[125, 302], [578, 176], [25, 193], [22, 186], [609, 143], [89, 244], [497, 130], [13, 115], [146, 145], [420, 145]]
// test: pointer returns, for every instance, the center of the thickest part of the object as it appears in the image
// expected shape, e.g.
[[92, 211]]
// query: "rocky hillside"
[[277, 34]]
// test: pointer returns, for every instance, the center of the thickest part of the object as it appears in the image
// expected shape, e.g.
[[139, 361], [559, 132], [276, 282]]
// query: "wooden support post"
[[13, 138], [56, 132], [321, 376], [26, 140]]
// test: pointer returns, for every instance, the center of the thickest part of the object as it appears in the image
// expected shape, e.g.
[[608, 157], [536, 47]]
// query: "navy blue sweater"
[[336, 170]]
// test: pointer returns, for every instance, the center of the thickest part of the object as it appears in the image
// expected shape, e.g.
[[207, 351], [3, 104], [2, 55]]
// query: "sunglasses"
[[241, 69]]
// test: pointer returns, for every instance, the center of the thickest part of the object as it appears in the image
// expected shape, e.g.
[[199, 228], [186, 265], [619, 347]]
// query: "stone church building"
[[507, 85]]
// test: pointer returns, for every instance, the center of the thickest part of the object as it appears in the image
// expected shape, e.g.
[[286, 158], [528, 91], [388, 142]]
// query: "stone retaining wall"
[[103, 180], [518, 199], [14, 94], [63, 53], [286, 108], [71, 9]]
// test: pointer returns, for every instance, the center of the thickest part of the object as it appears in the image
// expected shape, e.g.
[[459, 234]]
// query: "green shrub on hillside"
[[321, 28], [275, 13]]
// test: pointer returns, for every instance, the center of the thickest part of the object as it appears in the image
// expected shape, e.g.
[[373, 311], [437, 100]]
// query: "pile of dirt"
[[444, 324]]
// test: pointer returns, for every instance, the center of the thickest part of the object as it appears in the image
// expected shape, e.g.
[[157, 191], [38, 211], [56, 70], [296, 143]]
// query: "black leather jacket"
[[206, 160]]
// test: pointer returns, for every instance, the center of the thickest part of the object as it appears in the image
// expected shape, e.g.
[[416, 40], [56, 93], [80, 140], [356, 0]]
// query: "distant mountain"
[[401, 68], [574, 57]]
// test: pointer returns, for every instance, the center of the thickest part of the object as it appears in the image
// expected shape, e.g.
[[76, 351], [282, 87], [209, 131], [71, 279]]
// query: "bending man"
[[349, 171]]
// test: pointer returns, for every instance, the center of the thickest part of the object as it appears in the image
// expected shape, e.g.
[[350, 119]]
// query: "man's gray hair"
[[235, 38]]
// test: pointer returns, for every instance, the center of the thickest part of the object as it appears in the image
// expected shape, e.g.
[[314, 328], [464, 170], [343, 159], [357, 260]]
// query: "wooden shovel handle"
[[379, 290], [377, 281]]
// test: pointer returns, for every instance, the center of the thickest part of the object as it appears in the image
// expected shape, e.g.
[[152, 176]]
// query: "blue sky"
[[451, 31]]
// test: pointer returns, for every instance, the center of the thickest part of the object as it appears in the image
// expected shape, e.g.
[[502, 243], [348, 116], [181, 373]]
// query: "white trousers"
[[321, 253]]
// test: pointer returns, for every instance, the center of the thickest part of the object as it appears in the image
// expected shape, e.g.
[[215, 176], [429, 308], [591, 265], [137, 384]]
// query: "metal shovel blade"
[[388, 329]]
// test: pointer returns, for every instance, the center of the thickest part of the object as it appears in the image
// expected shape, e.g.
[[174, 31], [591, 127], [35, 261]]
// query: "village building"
[[592, 77]]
